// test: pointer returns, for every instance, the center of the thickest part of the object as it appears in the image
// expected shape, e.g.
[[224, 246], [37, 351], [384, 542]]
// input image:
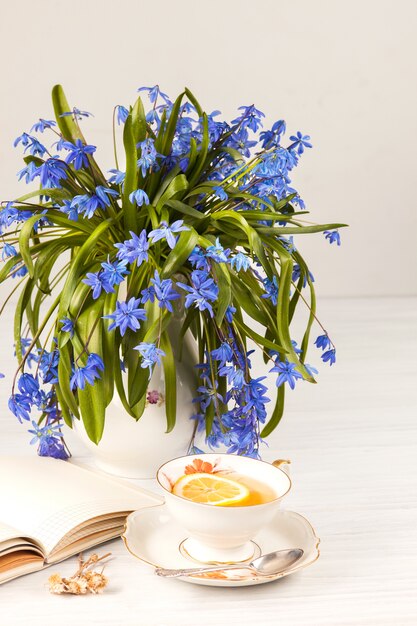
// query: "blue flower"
[[70, 209], [97, 282], [139, 196], [150, 354], [114, 273], [41, 125], [31, 144], [162, 290], [8, 251], [198, 259], [220, 193], [250, 118], [78, 153], [288, 243], [235, 376], [148, 155], [18, 271], [29, 173], [53, 448], [230, 311], [329, 356], [272, 137], [45, 432], [154, 92], [271, 288], [332, 236], [121, 114], [323, 341], [286, 373], [48, 366], [208, 395], [36, 148], [51, 172], [88, 374], [127, 315], [25, 342], [300, 142], [67, 325], [240, 141], [296, 275], [117, 177], [223, 353], [167, 232], [28, 384], [217, 252], [24, 139], [135, 249], [76, 113], [59, 145], [20, 405], [255, 397], [311, 370], [240, 261], [88, 204], [203, 291]]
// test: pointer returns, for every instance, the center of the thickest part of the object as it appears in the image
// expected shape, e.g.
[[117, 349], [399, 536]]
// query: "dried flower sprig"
[[83, 581]]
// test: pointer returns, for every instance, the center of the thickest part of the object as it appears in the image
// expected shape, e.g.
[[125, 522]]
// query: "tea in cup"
[[222, 501]]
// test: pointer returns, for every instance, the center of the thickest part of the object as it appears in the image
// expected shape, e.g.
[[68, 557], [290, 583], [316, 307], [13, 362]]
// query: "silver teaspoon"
[[269, 564]]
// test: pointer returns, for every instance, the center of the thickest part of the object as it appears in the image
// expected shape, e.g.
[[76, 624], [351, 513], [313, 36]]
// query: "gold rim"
[[222, 454], [275, 577]]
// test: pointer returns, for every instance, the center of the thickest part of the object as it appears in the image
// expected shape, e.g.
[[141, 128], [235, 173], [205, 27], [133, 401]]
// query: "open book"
[[50, 510]]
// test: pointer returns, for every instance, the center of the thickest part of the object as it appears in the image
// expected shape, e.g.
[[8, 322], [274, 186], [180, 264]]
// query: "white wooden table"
[[352, 440]]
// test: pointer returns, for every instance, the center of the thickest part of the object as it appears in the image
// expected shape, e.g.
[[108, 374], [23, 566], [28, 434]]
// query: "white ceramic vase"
[[137, 449]]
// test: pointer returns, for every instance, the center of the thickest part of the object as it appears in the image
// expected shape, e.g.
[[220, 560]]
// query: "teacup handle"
[[282, 464]]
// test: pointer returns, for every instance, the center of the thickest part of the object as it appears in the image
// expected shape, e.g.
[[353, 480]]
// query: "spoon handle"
[[174, 573]]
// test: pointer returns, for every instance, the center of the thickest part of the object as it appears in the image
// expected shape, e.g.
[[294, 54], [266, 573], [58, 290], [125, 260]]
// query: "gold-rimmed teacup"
[[221, 534]]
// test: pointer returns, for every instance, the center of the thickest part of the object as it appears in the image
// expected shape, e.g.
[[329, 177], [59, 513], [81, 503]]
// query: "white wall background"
[[343, 72]]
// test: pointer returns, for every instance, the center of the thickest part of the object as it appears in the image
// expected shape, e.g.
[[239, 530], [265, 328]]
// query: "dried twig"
[[83, 581]]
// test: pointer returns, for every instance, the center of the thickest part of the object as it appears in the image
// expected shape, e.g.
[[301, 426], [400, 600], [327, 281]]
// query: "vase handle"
[[282, 464]]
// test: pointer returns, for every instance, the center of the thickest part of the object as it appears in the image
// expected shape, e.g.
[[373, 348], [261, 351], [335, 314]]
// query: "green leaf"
[[172, 125], [194, 102], [78, 266], [170, 382], [66, 415], [298, 230], [283, 300], [139, 124], [225, 293], [259, 339], [18, 316], [131, 178], [200, 160], [67, 125], [181, 207], [178, 256], [24, 241], [176, 187], [92, 398], [277, 413], [118, 378], [64, 377]]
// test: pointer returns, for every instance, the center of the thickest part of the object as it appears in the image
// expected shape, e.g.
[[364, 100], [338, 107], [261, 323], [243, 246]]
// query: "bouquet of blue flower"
[[200, 216]]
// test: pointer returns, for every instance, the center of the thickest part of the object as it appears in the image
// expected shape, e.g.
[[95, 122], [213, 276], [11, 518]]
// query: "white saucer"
[[153, 537]]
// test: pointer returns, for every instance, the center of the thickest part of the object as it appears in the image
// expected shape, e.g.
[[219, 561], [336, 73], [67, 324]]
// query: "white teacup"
[[222, 534]]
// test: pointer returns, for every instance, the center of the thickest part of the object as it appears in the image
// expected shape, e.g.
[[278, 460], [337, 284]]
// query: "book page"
[[7, 532], [46, 498]]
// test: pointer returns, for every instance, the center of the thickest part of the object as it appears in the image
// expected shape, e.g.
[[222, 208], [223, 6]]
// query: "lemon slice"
[[211, 489]]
